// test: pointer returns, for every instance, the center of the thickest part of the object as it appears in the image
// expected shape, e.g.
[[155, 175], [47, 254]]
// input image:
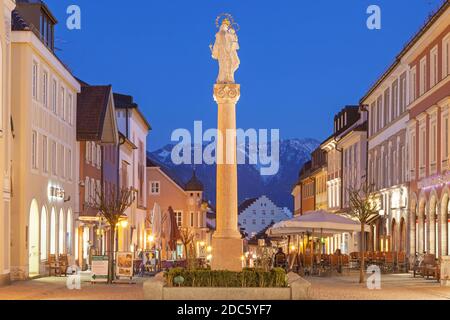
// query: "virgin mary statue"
[[225, 51]]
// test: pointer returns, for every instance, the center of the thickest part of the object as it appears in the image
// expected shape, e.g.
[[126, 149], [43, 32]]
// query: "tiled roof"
[[92, 104]]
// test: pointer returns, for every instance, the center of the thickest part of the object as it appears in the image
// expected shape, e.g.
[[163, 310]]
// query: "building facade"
[[97, 138], [257, 214], [6, 7], [427, 58], [386, 105], [133, 128], [44, 95], [186, 200]]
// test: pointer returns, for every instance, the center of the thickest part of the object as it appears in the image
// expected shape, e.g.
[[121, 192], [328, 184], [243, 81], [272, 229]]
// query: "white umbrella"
[[327, 223], [157, 221]]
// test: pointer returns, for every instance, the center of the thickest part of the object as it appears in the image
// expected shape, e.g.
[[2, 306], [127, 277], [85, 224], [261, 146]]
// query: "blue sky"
[[301, 60]]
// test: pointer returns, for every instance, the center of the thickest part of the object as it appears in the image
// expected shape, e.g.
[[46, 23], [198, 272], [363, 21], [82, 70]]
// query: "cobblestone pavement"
[[393, 287], [55, 288]]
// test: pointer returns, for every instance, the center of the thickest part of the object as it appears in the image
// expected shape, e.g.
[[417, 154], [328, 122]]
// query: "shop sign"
[[57, 192], [100, 268], [124, 267]]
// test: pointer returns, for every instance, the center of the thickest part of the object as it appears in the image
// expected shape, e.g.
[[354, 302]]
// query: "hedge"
[[276, 278]]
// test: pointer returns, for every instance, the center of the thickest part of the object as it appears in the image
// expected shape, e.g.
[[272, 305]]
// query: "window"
[[34, 149], [44, 153], [179, 218], [199, 219], [70, 109], [445, 132], [62, 171], [53, 232], [394, 105], [433, 142], [254, 221], [372, 118], [433, 66], [263, 222], [54, 96], [402, 98], [192, 220], [387, 103], [154, 187], [45, 89], [63, 103], [99, 156], [446, 56], [94, 154], [43, 234], [413, 84], [54, 158], [422, 150], [423, 76], [379, 116], [87, 191], [35, 81], [61, 232], [69, 164], [413, 151]]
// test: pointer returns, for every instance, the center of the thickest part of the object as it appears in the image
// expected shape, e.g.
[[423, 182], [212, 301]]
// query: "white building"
[[133, 128], [6, 6], [257, 214], [44, 179]]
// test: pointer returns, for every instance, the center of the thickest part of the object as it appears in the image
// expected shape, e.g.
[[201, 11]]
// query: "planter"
[[155, 289]]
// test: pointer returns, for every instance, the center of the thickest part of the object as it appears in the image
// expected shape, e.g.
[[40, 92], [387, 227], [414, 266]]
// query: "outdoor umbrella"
[[157, 222], [174, 233], [327, 223]]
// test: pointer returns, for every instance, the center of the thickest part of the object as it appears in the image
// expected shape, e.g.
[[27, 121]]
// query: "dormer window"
[[46, 30]]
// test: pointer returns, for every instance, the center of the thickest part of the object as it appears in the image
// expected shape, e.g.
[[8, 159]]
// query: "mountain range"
[[293, 154]]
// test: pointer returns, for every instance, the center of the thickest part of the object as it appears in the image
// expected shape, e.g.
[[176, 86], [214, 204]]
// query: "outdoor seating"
[[53, 265]]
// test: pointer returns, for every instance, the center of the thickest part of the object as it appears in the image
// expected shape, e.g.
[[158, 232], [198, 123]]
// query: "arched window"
[[61, 232], [69, 232], [44, 233], [53, 232]]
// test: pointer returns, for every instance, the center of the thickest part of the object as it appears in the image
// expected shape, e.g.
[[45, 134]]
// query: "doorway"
[[33, 242]]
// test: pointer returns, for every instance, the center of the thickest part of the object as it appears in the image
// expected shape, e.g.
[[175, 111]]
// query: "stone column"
[[444, 230], [226, 243], [432, 229]]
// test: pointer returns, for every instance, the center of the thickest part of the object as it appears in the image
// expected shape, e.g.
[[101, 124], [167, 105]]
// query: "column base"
[[5, 279], [227, 253]]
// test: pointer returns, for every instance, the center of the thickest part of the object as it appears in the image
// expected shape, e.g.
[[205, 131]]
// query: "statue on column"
[[225, 51]]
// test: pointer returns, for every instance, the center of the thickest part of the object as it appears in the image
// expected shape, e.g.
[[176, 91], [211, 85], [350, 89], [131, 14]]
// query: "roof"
[[92, 105], [123, 101], [245, 204], [152, 163], [432, 18], [194, 184]]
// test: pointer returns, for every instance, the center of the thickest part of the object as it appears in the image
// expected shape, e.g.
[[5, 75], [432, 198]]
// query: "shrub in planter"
[[250, 278]]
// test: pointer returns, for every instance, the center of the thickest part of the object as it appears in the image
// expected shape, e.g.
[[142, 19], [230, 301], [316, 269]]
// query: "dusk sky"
[[301, 60]]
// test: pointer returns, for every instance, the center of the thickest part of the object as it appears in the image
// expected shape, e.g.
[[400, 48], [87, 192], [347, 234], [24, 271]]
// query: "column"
[[227, 243]]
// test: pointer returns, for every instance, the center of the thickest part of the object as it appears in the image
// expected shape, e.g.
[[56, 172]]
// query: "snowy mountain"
[[293, 154]]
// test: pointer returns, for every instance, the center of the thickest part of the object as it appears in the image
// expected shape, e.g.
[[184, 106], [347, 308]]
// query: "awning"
[[320, 221]]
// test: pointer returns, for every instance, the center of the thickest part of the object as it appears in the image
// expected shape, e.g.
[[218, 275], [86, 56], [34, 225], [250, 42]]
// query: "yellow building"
[[6, 6], [45, 179]]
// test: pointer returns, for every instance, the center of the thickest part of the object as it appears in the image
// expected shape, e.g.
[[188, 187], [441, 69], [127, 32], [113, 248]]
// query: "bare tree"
[[364, 207], [187, 237], [112, 207]]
